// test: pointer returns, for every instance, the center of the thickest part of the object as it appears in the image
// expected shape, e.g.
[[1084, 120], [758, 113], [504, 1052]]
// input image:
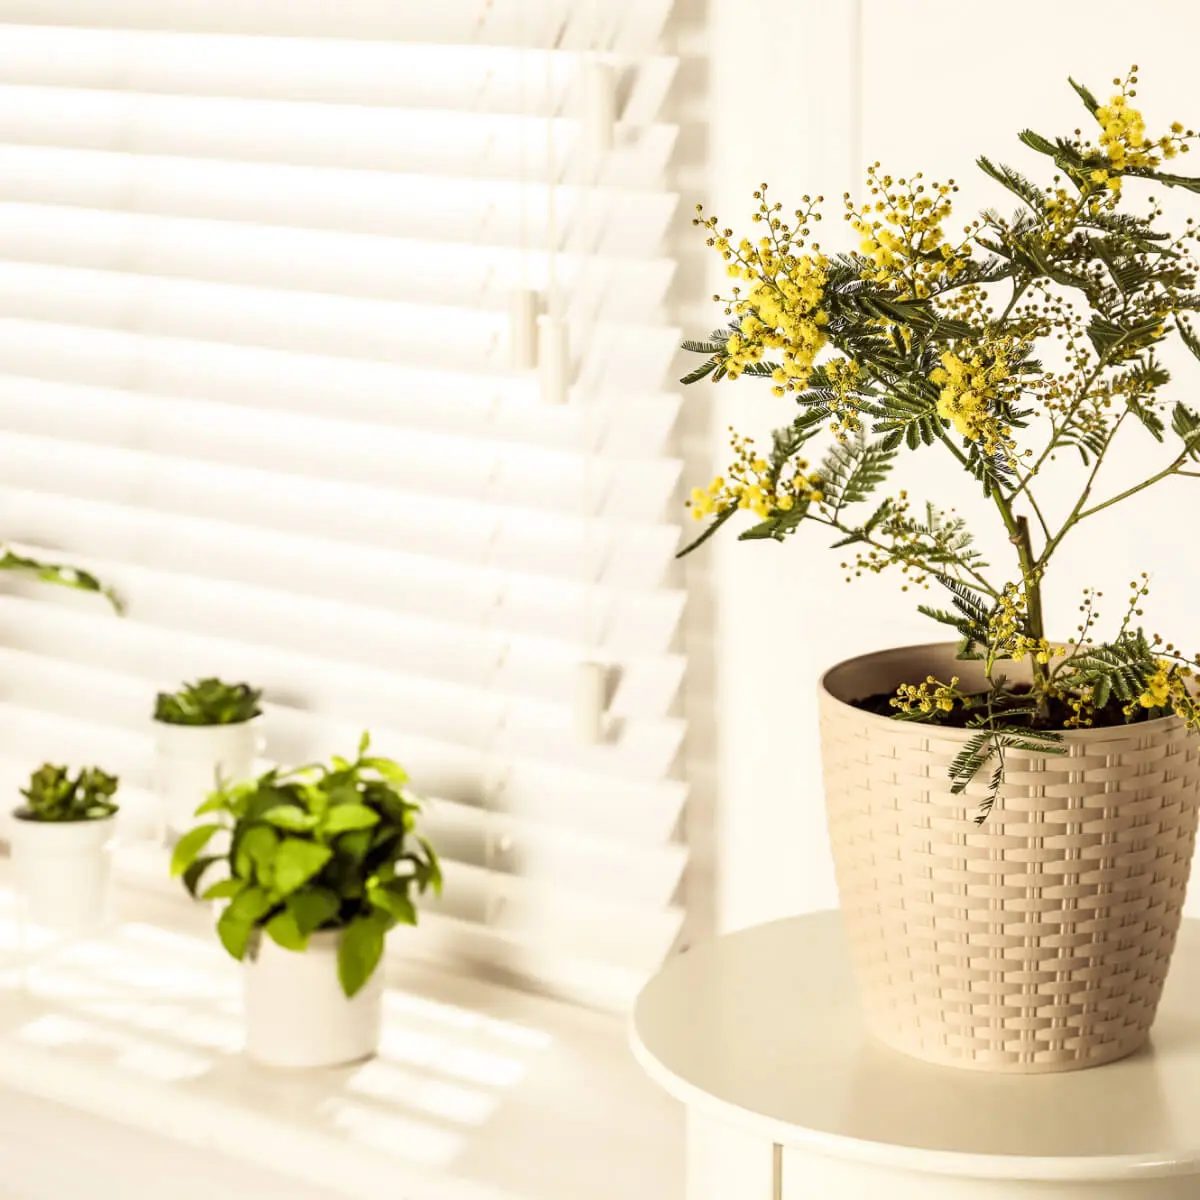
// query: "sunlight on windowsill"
[[161, 1007]]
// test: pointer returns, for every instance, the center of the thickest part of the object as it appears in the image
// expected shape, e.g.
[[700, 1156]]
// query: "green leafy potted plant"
[[60, 839], [322, 862], [208, 732], [1013, 814]]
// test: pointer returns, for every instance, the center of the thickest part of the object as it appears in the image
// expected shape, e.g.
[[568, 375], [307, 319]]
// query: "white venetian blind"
[[256, 261]]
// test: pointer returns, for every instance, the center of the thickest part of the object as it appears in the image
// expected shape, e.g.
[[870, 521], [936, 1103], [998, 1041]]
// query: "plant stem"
[[1057, 429], [1077, 511], [1038, 513], [912, 560], [1173, 469], [1031, 576]]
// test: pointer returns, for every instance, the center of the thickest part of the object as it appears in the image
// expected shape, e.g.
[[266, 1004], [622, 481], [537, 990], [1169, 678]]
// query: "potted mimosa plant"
[[1013, 813]]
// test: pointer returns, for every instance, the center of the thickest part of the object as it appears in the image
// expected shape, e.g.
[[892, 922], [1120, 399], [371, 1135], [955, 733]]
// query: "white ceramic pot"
[[296, 1012], [1037, 941], [62, 871], [191, 759]]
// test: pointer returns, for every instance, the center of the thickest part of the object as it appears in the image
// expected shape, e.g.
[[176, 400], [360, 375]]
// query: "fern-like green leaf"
[[1085, 95], [1186, 423], [852, 470]]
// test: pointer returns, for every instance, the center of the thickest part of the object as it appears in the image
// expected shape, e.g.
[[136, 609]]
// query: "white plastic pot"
[[192, 759], [296, 1012], [62, 871]]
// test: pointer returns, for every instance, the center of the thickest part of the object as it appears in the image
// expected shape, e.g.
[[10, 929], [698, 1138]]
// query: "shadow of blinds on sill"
[[255, 269]]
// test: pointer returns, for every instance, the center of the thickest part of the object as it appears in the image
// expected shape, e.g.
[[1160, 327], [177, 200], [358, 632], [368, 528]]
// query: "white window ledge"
[[480, 1092]]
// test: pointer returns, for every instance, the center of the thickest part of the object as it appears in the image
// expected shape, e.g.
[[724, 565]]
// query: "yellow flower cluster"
[[1006, 621], [1168, 688], [1005, 638], [927, 696], [970, 389], [1040, 648], [845, 377], [1123, 139], [749, 486], [1083, 712], [781, 311], [1123, 135], [1158, 687], [901, 233]]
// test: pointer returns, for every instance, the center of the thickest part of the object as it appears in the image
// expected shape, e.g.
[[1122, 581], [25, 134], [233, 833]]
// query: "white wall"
[[941, 82]]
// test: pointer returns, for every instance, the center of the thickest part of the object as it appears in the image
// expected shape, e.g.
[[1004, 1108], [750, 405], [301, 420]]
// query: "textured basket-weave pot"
[[1039, 941]]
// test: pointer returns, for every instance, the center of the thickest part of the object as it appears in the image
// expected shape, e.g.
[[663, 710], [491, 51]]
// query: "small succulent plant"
[[208, 702], [53, 794]]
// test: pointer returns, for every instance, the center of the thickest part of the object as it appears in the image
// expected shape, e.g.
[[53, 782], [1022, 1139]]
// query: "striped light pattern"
[[256, 262]]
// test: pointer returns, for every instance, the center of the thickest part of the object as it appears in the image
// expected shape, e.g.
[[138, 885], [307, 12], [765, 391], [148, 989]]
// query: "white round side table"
[[759, 1031]]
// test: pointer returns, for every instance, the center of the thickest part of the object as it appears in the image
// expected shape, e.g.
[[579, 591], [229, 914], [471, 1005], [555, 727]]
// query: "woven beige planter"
[[1039, 941]]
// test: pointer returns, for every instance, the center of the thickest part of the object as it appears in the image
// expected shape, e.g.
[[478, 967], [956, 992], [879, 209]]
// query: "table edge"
[[953, 1163]]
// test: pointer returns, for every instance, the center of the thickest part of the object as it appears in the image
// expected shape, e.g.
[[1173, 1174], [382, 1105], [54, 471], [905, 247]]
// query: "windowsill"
[[480, 1092]]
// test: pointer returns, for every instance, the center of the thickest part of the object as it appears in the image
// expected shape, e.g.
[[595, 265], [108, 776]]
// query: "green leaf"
[[255, 847], [346, 817], [393, 772], [58, 573], [196, 868], [1035, 141], [234, 934], [1085, 95], [713, 526], [393, 899], [290, 817], [189, 846], [354, 844], [359, 953], [970, 759], [1186, 423], [364, 743], [223, 889], [1188, 182], [251, 904], [284, 931], [1148, 417], [312, 908], [1016, 183], [296, 862], [1188, 337], [851, 471], [237, 922], [435, 868], [216, 802], [697, 373]]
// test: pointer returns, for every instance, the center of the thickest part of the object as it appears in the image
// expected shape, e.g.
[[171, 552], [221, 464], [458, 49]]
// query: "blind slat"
[[532, 540], [504, 408], [113, 537], [518, 668], [479, 78], [308, 322], [418, 273], [484, 720], [590, 220], [625, 26], [355, 137], [328, 450]]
